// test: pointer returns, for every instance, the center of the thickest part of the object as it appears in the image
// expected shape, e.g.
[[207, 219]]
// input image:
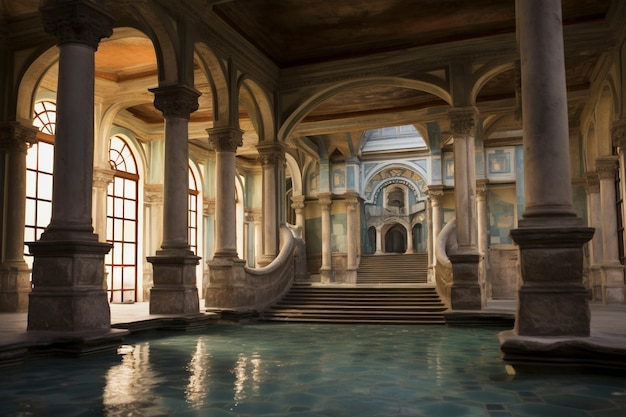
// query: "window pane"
[[31, 183], [117, 229], [130, 190], [117, 256], [44, 214], [129, 253], [44, 189], [129, 209], [118, 207], [129, 231], [30, 212], [46, 157]]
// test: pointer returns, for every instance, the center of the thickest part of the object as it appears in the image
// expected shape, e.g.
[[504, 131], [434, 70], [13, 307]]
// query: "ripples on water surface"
[[269, 369]]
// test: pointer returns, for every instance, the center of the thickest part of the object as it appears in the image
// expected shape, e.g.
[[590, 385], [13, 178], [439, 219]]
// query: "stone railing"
[[271, 282], [446, 242]]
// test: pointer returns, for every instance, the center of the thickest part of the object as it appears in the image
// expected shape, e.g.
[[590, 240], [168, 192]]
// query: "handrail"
[[271, 282], [446, 242]]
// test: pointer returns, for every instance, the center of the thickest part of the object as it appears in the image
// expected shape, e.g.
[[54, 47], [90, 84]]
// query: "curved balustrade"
[[445, 243]]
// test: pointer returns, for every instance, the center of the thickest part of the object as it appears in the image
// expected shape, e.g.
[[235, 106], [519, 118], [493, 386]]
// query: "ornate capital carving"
[[606, 167], [297, 202], [618, 134], [325, 200], [77, 21], [153, 193], [435, 193], [273, 154], [16, 137], [225, 139], [463, 120], [102, 177], [592, 182], [208, 206], [176, 101], [481, 189]]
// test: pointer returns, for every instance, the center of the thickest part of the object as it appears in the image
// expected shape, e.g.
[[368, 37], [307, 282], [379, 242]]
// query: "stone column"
[[552, 300], [595, 246], [352, 203], [174, 288], [101, 180], [435, 194], [325, 202], [466, 292], [153, 231], [409, 241], [612, 269], [297, 203], [483, 229], [14, 272], [272, 159], [379, 240], [226, 271], [68, 267]]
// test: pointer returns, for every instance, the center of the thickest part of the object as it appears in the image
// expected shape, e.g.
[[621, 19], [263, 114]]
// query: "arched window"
[[122, 212], [193, 212], [39, 164]]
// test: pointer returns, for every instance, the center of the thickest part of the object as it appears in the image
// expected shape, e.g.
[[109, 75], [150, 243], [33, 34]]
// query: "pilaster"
[[15, 283], [325, 201], [596, 255]]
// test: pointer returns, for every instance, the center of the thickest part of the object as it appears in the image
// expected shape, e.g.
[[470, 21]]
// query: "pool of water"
[[268, 369]]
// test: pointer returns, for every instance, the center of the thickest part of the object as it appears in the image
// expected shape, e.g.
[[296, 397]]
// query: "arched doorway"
[[395, 239]]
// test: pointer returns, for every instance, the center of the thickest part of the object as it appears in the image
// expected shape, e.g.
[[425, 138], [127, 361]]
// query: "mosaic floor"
[[304, 370]]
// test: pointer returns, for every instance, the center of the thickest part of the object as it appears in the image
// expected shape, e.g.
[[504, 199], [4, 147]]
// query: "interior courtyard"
[[207, 158]]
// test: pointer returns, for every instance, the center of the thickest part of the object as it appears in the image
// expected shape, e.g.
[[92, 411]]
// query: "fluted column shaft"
[[226, 140]]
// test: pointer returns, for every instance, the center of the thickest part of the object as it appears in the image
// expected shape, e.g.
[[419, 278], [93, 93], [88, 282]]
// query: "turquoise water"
[[268, 369]]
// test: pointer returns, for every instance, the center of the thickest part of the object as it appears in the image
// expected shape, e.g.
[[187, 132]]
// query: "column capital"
[[102, 177], [175, 100], [618, 134], [225, 139], [297, 202], [208, 206], [481, 189], [463, 120], [592, 182], [76, 21], [352, 201], [435, 192], [606, 166], [272, 154], [14, 136], [325, 200], [153, 193]]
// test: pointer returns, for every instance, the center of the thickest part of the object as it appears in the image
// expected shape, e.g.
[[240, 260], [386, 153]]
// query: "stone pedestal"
[[552, 300], [68, 294], [227, 287], [465, 292], [15, 285], [174, 290]]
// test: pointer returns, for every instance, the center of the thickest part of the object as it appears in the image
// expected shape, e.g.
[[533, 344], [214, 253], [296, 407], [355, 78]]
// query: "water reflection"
[[247, 371], [199, 373], [129, 385]]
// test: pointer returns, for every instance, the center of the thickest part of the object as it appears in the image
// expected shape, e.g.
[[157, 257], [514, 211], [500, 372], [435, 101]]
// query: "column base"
[[15, 288], [552, 300], [612, 284], [67, 293], [227, 287], [595, 276], [264, 260], [351, 275], [174, 276], [326, 275], [466, 291]]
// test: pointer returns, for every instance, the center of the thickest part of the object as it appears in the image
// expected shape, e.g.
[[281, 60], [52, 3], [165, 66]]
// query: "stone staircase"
[[393, 269], [368, 304]]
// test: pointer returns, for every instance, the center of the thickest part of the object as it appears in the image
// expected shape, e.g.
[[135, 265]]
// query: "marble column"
[[68, 266], [325, 202], [14, 272], [379, 240], [297, 203], [226, 271], [352, 203], [552, 300], [272, 159], [174, 288], [101, 180], [466, 291], [595, 246], [612, 269], [483, 229], [435, 194]]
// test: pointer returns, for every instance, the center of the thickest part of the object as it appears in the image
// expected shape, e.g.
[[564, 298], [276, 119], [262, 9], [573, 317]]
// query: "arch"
[[215, 72], [262, 113], [486, 73], [374, 186], [604, 116], [591, 148], [296, 174], [30, 79], [313, 101]]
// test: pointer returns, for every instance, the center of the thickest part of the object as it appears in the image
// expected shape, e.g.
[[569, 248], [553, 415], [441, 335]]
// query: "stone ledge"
[[601, 352]]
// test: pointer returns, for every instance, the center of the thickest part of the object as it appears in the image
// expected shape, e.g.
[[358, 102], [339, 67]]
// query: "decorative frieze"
[[225, 139], [84, 22], [177, 101]]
